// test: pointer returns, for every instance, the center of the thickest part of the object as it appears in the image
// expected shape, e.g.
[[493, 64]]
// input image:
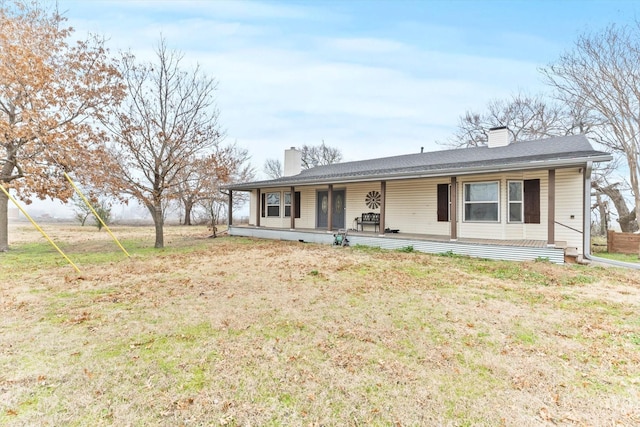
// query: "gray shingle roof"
[[557, 151]]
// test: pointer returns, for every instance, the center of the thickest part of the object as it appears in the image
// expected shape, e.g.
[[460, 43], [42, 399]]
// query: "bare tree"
[[200, 183], [614, 191], [318, 155], [534, 117], [273, 168], [527, 117], [51, 93], [601, 74], [168, 120], [231, 165], [192, 184], [312, 156]]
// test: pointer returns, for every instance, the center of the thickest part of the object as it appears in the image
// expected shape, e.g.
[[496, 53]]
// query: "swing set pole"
[[96, 214], [15, 202]]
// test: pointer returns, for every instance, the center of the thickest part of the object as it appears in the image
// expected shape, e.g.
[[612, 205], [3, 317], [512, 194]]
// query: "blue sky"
[[374, 78]]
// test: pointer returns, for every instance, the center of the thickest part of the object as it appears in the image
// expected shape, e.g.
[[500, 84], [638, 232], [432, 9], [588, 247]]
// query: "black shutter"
[[297, 203], [532, 201], [264, 205], [443, 202]]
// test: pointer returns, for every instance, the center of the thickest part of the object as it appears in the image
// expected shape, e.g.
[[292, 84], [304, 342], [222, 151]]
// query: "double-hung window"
[[482, 201], [516, 199], [287, 204], [273, 204], [524, 201]]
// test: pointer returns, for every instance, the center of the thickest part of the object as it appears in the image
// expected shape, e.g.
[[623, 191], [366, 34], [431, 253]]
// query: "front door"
[[338, 205]]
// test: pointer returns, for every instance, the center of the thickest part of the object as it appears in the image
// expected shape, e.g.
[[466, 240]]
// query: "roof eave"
[[530, 165]]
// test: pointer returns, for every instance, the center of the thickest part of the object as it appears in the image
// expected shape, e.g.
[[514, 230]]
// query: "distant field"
[[233, 331]]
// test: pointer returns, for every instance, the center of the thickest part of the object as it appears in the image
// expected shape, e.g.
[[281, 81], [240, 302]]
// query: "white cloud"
[[367, 45], [281, 84]]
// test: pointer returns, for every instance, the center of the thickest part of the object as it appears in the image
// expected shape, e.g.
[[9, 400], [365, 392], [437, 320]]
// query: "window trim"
[[521, 201], [465, 202], [285, 204], [269, 205], [297, 200]]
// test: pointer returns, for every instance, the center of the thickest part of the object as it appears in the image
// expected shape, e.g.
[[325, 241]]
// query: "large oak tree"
[[51, 93], [168, 119]]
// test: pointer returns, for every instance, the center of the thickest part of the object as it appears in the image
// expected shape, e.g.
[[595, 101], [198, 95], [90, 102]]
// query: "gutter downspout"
[[586, 234]]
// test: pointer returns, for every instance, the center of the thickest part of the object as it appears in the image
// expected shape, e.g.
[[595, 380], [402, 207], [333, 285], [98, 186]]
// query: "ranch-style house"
[[524, 200]]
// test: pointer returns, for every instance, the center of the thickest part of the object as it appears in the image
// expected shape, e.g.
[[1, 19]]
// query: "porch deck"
[[513, 250]]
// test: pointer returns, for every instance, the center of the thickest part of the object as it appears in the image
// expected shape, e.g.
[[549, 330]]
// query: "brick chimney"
[[292, 161], [498, 137]]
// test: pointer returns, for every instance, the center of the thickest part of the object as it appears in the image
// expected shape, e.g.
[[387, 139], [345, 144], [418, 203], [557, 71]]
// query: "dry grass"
[[241, 332]]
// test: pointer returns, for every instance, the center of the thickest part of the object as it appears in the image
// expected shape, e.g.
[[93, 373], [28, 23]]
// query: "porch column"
[[383, 199], [453, 208], [292, 211], [551, 209], [230, 219], [330, 208], [258, 207]]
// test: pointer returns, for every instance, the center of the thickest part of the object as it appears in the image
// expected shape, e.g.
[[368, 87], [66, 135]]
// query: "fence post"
[[610, 241]]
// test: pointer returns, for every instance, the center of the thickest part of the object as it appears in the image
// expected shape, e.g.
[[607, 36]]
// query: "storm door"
[[338, 206]]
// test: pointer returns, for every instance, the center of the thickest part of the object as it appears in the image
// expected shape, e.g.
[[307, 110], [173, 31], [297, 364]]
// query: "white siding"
[[504, 229], [411, 207], [569, 207], [516, 231], [307, 208], [275, 222], [481, 230], [356, 205]]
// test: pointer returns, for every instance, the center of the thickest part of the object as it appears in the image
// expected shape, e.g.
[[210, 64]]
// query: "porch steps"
[[572, 256]]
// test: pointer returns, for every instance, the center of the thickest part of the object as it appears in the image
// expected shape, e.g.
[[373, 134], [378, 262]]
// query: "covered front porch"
[[511, 250]]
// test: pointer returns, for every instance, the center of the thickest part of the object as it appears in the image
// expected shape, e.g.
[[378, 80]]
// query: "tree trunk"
[[158, 222], [188, 207], [632, 160], [604, 218], [4, 222], [626, 219]]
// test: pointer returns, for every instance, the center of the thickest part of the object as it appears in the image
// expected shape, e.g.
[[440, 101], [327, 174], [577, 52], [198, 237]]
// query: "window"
[[287, 204], [515, 201], [524, 201], [444, 202], [273, 204], [481, 201]]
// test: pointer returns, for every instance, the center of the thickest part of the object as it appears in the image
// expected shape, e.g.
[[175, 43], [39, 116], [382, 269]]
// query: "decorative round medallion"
[[325, 204], [338, 204], [372, 199]]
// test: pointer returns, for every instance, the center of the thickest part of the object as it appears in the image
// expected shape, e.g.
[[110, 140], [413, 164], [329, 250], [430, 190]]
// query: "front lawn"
[[234, 331]]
